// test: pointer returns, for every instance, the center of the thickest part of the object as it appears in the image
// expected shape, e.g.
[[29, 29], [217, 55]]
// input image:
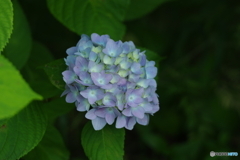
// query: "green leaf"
[[6, 19], [22, 133], [91, 16], [54, 71], [57, 107], [50, 148], [139, 8], [36, 77], [15, 92], [19, 46], [106, 144]]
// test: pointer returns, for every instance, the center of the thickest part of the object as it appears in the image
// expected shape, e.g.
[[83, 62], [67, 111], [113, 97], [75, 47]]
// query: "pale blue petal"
[[98, 123], [121, 121]]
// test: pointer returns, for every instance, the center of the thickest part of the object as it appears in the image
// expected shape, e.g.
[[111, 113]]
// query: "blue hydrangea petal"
[[112, 49], [143, 83], [69, 76], [93, 56], [71, 50], [151, 72], [109, 100], [81, 65], [155, 108], [142, 58], [136, 68], [138, 112], [101, 112], [83, 105], [70, 61], [94, 67], [130, 123], [91, 114], [144, 121], [110, 117], [98, 123], [85, 79], [133, 77], [127, 112], [93, 94], [108, 60], [101, 79], [125, 63], [70, 98], [99, 40], [120, 101], [150, 64], [123, 73], [121, 121], [115, 78]]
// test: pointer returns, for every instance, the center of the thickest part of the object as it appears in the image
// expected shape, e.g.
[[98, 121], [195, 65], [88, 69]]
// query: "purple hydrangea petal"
[[121, 121], [93, 94], [98, 123], [138, 112], [130, 123], [91, 114], [83, 105], [127, 112], [144, 121], [94, 67], [69, 76], [109, 100], [110, 117], [101, 79], [101, 112], [112, 49]]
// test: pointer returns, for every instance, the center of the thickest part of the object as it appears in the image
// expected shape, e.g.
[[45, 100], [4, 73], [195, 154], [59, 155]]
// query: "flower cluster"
[[110, 80]]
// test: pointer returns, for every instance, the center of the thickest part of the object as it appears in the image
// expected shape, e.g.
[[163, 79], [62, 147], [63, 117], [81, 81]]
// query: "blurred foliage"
[[198, 44]]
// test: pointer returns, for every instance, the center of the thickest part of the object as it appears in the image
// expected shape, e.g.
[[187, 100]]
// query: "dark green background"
[[198, 43]]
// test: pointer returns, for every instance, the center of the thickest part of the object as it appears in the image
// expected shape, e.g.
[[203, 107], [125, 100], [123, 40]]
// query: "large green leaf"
[[6, 22], [50, 148], [106, 144], [19, 46], [15, 92], [35, 76], [139, 8], [91, 16], [22, 133], [54, 71]]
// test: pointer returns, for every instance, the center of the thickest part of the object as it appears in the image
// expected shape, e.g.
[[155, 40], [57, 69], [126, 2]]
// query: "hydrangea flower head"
[[111, 81]]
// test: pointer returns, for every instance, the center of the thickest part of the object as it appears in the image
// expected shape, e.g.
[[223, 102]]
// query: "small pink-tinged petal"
[[98, 123]]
